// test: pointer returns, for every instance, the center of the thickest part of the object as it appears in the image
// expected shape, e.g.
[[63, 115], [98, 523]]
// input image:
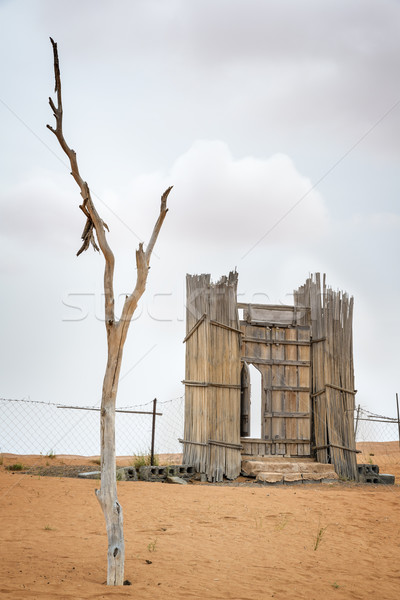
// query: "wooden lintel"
[[268, 361], [276, 342], [269, 324], [277, 441], [281, 388], [268, 306]]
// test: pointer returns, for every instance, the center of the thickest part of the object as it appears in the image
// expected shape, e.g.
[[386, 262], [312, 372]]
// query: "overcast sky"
[[251, 110]]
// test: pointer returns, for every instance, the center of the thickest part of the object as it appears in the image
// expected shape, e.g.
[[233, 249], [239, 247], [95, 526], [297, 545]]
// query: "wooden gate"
[[280, 349]]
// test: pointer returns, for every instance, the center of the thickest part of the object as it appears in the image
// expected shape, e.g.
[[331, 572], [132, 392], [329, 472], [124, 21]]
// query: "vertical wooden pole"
[[153, 431], [398, 414], [357, 418]]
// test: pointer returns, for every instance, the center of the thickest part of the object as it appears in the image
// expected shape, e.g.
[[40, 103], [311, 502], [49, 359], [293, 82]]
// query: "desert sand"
[[202, 541]]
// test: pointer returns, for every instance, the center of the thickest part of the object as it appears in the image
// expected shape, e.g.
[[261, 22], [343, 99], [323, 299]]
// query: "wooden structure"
[[212, 379], [332, 388], [304, 355]]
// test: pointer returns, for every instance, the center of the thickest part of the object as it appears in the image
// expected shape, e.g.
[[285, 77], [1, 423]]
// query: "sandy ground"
[[202, 541]]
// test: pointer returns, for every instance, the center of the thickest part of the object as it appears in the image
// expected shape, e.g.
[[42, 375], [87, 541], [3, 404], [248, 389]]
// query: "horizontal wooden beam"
[[276, 441], [226, 444], [336, 446], [190, 442], [281, 388], [269, 324], [269, 306], [277, 342], [212, 442], [209, 384], [272, 362], [287, 415]]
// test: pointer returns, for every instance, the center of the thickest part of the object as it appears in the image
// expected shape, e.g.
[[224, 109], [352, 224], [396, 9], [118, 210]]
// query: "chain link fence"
[[32, 427], [378, 438]]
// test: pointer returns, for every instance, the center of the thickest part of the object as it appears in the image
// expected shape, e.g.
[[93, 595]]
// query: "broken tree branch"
[[93, 219]]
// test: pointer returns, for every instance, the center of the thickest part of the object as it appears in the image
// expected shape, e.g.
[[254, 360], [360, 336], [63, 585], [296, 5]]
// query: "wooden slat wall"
[[212, 412], [332, 358]]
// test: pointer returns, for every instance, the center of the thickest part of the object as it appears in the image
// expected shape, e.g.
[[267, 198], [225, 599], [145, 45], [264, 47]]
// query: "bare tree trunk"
[[116, 336], [107, 494]]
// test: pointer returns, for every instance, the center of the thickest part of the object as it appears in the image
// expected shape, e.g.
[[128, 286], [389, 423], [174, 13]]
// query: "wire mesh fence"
[[378, 438], [32, 427]]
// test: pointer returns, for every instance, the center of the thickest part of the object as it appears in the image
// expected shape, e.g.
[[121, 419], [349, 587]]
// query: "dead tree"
[[94, 234]]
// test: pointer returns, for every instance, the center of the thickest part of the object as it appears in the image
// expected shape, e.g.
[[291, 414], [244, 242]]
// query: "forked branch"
[[143, 265]]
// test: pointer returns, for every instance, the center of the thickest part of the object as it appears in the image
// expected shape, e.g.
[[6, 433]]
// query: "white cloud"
[[218, 199]]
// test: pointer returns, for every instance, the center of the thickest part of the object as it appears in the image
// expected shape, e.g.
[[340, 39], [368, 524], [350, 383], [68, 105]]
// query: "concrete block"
[[367, 469], [147, 473], [371, 479], [153, 473], [127, 474], [184, 471], [386, 478]]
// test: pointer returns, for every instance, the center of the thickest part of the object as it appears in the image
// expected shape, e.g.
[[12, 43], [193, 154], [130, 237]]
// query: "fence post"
[[398, 414], [358, 416], [153, 431]]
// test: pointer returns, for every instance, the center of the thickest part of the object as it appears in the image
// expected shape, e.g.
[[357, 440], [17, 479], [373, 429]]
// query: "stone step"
[[251, 468], [293, 478]]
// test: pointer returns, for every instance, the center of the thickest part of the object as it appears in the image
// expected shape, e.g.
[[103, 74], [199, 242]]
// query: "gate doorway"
[[251, 401], [279, 349]]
